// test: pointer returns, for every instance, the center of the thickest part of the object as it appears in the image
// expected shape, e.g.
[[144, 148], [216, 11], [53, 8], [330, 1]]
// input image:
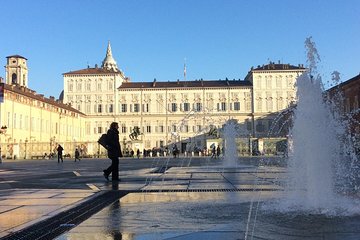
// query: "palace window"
[[259, 105], [268, 82], [173, 107], [356, 102], [186, 107], [111, 108], [221, 106], [136, 107], [236, 106], [123, 107], [123, 128], [146, 107], [198, 107], [88, 108], [161, 128]]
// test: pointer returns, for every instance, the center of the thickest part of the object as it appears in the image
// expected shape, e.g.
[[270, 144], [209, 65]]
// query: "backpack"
[[103, 141]]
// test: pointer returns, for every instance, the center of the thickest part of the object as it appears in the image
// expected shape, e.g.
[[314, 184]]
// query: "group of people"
[[215, 152], [60, 150]]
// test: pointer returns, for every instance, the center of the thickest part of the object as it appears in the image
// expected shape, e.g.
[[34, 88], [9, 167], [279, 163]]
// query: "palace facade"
[[31, 124], [180, 112], [167, 113]]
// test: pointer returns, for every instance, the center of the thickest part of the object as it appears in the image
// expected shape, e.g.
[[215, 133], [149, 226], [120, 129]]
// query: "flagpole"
[[184, 69]]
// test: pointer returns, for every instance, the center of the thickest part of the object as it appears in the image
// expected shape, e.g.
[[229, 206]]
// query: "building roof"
[[32, 94], [16, 56], [350, 81], [186, 84], [91, 71], [278, 66]]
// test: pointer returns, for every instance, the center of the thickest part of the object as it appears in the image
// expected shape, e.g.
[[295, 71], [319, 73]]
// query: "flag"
[[184, 70]]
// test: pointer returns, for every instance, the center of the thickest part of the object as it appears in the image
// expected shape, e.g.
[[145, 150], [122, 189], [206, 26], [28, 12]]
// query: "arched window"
[[14, 78]]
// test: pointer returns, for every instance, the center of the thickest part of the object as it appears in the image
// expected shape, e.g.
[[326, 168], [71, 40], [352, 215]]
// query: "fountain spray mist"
[[318, 150]]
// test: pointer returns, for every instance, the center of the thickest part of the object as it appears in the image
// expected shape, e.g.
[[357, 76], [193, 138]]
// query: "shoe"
[[106, 175]]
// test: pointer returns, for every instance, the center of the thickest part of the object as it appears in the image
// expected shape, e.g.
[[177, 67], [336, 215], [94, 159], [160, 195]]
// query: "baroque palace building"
[[181, 112], [167, 113]]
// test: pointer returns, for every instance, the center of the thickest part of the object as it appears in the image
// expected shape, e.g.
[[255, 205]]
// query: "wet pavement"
[[157, 198]]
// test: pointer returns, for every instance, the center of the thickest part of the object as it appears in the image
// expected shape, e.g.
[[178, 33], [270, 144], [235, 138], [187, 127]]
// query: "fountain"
[[230, 132], [318, 166]]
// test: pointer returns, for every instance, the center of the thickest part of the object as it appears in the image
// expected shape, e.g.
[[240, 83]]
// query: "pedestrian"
[[218, 151], [77, 154], [60, 150], [138, 153], [213, 152], [114, 152], [175, 150]]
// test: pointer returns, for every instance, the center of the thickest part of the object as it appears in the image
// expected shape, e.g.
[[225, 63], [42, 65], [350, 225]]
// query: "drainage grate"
[[206, 190], [58, 224]]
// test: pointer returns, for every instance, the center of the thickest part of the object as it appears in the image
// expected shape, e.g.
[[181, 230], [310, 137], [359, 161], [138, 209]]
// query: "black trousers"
[[60, 157], [113, 169]]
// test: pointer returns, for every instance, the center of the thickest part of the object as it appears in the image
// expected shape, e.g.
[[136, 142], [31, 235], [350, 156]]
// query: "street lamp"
[[26, 141], [249, 144], [2, 131]]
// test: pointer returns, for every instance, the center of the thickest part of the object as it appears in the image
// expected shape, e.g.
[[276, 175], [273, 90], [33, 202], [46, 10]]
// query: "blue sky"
[[150, 38]]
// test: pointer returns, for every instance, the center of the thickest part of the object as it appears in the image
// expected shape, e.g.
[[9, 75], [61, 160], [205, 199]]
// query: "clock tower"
[[16, 70]]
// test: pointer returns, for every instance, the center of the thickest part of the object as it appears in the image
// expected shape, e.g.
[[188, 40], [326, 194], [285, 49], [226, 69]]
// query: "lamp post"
[[26, 141], [249, 144], [2, 131], [124, 143]]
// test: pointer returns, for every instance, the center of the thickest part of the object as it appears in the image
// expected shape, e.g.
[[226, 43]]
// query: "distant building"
[[348, 93], [32, 124], [178, 111]]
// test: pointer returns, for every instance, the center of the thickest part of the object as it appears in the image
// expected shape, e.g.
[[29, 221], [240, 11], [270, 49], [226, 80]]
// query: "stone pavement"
[[39, 191]]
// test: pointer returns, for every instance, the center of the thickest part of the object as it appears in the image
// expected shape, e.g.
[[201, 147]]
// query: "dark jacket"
[[114, 149], [60, 149]]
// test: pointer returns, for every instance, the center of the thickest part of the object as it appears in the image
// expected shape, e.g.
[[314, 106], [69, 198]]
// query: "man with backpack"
[[114, 152]]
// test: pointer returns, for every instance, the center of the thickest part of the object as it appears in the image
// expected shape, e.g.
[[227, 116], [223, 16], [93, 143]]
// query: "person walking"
[[213, 152], [60, 156], [77, 154], [175, 150], [138, 153], [218, 151], [114, 152]]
